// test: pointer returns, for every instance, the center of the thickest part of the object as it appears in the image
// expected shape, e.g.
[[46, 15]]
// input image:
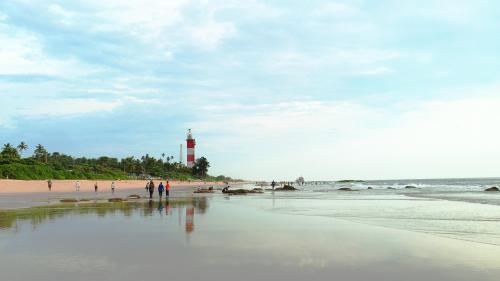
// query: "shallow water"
[[309, 234]]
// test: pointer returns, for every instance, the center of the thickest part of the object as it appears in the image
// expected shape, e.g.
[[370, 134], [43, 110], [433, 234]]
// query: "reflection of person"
[[168, 208], [49, 184], [95, 186], [167, 189], [113, 186], [160, 206], [189, 219], [160, 189], [149, 210], [77, 185]]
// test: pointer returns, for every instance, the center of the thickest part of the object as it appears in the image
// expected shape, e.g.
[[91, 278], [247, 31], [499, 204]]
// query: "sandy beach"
[[36, 186]]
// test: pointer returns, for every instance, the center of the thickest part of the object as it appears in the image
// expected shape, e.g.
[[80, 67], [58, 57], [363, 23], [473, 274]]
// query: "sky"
[[271, 89]]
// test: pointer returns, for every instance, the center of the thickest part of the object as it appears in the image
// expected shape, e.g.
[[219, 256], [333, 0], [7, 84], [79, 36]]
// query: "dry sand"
[[32, 186]]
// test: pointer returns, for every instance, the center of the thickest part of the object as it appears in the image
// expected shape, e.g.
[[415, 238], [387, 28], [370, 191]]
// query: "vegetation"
[[46, 165]]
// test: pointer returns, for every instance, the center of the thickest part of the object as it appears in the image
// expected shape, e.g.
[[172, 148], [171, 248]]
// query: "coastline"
[[40, 186]]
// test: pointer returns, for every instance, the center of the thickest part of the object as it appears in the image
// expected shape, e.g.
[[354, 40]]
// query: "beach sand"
[[35, 186]]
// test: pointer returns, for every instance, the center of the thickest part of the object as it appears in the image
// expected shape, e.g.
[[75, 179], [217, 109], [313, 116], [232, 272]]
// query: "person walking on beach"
[[273, 184], [77, 185], [49, 184], [167, 189], [160, 189], [151, 189], [113, 186], [95, 187]]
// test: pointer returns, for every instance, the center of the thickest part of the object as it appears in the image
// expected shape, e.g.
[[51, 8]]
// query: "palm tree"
[[163, 155], [40, 153], [9, 151], [21, 147]]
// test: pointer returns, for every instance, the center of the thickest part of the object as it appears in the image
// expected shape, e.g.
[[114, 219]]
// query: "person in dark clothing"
[[49, 183], [95, 187], [160, 189], [151, 189], [273, 184]]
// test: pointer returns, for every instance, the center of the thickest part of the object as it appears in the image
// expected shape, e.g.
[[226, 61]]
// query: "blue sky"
[[271, 89]]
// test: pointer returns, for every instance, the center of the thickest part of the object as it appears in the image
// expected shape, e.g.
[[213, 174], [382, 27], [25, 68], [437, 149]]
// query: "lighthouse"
[[190, 144]]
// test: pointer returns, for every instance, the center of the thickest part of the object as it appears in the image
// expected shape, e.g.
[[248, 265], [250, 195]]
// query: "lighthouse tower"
[[190, 143]]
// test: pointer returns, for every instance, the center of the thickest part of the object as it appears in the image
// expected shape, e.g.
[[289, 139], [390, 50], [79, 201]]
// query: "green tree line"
[[43, 164]]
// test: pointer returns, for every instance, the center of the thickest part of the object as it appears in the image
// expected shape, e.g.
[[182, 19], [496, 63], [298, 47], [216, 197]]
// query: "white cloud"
[[22, 54], [352, 62], [447, 138], [64, 107], [165, 24], [209, 35]]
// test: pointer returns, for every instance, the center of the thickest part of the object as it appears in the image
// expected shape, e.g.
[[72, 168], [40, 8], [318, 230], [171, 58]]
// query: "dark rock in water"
[[349, 181], [204, 191], [345, 189], [493, 188], [390, 187], [370, 187], [68, 200], [84, 200], [242, 191], [134, 196], [286, 188], [116, 200], [238, 191], [410, 186]]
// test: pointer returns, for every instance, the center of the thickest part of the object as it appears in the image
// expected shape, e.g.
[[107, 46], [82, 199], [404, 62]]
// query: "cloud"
[[350, 140], [209, 35], [344, 61], [21, 53], [64, 107]]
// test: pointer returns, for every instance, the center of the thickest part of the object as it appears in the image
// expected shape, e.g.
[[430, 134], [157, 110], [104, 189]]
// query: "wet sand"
[[33, 186], [278, 236]]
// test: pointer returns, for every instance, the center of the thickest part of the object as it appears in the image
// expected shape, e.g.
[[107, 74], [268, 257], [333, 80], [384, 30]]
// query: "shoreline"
[[40, 186]]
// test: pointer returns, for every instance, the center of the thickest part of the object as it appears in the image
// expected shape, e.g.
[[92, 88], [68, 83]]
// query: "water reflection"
[[9, 219]]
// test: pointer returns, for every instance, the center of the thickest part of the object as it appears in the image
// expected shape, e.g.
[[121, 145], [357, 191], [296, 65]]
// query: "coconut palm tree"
[[9, 151], [21, 147], [40, 153]]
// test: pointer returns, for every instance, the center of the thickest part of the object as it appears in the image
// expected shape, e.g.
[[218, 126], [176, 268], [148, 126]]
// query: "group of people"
[[150, 187], [77, 186], [96, 186]]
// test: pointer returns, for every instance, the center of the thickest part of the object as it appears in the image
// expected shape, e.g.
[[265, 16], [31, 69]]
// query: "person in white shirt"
[[77, 185], [113, 186]]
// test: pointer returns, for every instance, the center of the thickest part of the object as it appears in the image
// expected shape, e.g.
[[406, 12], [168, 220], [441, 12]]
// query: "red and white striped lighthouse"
[[190, 149]]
